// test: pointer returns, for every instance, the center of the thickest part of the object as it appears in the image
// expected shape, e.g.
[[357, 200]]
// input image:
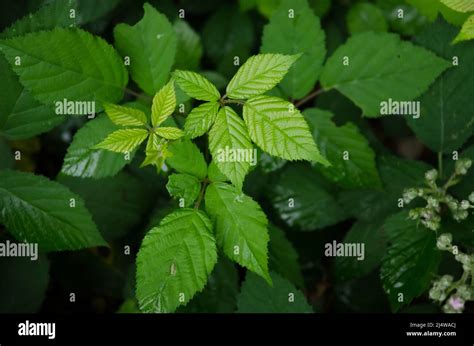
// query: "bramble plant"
[[186, 168]]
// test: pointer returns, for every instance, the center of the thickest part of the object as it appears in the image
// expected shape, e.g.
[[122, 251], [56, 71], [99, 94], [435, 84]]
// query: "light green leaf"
[[411, 261], [283, 257], [467, 31], [279, 129], [21, 116], [358, 168], [187, 255], [369, 80], [37, 210], [184, 186], [123, 141], [302, 200], [163, 105], [171, 133], [189, 49], [187, 158], [201, 118], [259, 74], [151, 46], [229, 135], [301, 34], [214, 174], [446, 120], [365, 16], [154, 152], [196, 86], [67, 64], [256, 296], [83, 161], [125, 116], [460, 5], [240, 226]]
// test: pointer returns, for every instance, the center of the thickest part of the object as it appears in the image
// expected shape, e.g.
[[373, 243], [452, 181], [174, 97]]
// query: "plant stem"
[[137, 95], [201, 193], [440, 164], [309, 97]]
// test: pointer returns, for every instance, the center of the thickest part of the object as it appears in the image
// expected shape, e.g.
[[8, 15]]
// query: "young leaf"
[[163, 105], [83, 161], [446, 120], [201, 118], [184, 186], [154, 152], [459, 5], [37, 210], [240, 226], [283, 257], [229, 134], [352, 159], [359, 70], [125, 116], [467, 31], [187, 158], [196, 86], [187, 255], [21, 116], [300, 34], [302, 200], [279, 129], [151, 46], [256, 296], [171, 133], [189, 49], [411, 261], [67, 64], [259, 74], [123, 141]]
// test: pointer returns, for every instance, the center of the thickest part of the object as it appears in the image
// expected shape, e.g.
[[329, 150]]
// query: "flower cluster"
[[436, 197], [459, 292]]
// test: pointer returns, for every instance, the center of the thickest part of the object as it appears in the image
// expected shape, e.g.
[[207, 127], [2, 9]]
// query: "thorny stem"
[[309, 97], [201, 193], [224, 100]]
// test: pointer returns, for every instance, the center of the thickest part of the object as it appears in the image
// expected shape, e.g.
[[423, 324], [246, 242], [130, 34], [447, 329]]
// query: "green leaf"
[[196, 86], [283, 257], [123, 141], [229, 134], [365, 17], [411, 261], [23, 285], [67, 64], [301, 199], [214, 174], [352, 159], [37, 210], [184, 186], [279, 129], [459, 5], [83, 161], [467, 31], [446, 120], [171, 133], [201, 118], [301, 34], [122, 192], [371, 235], [125, 116], [187, 158], [21, 116], [259, 74], [53, 14], [151, 46], [256, 296], [240, 226], [187, 255], [163, 105], [189, 49], [369, 80]]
